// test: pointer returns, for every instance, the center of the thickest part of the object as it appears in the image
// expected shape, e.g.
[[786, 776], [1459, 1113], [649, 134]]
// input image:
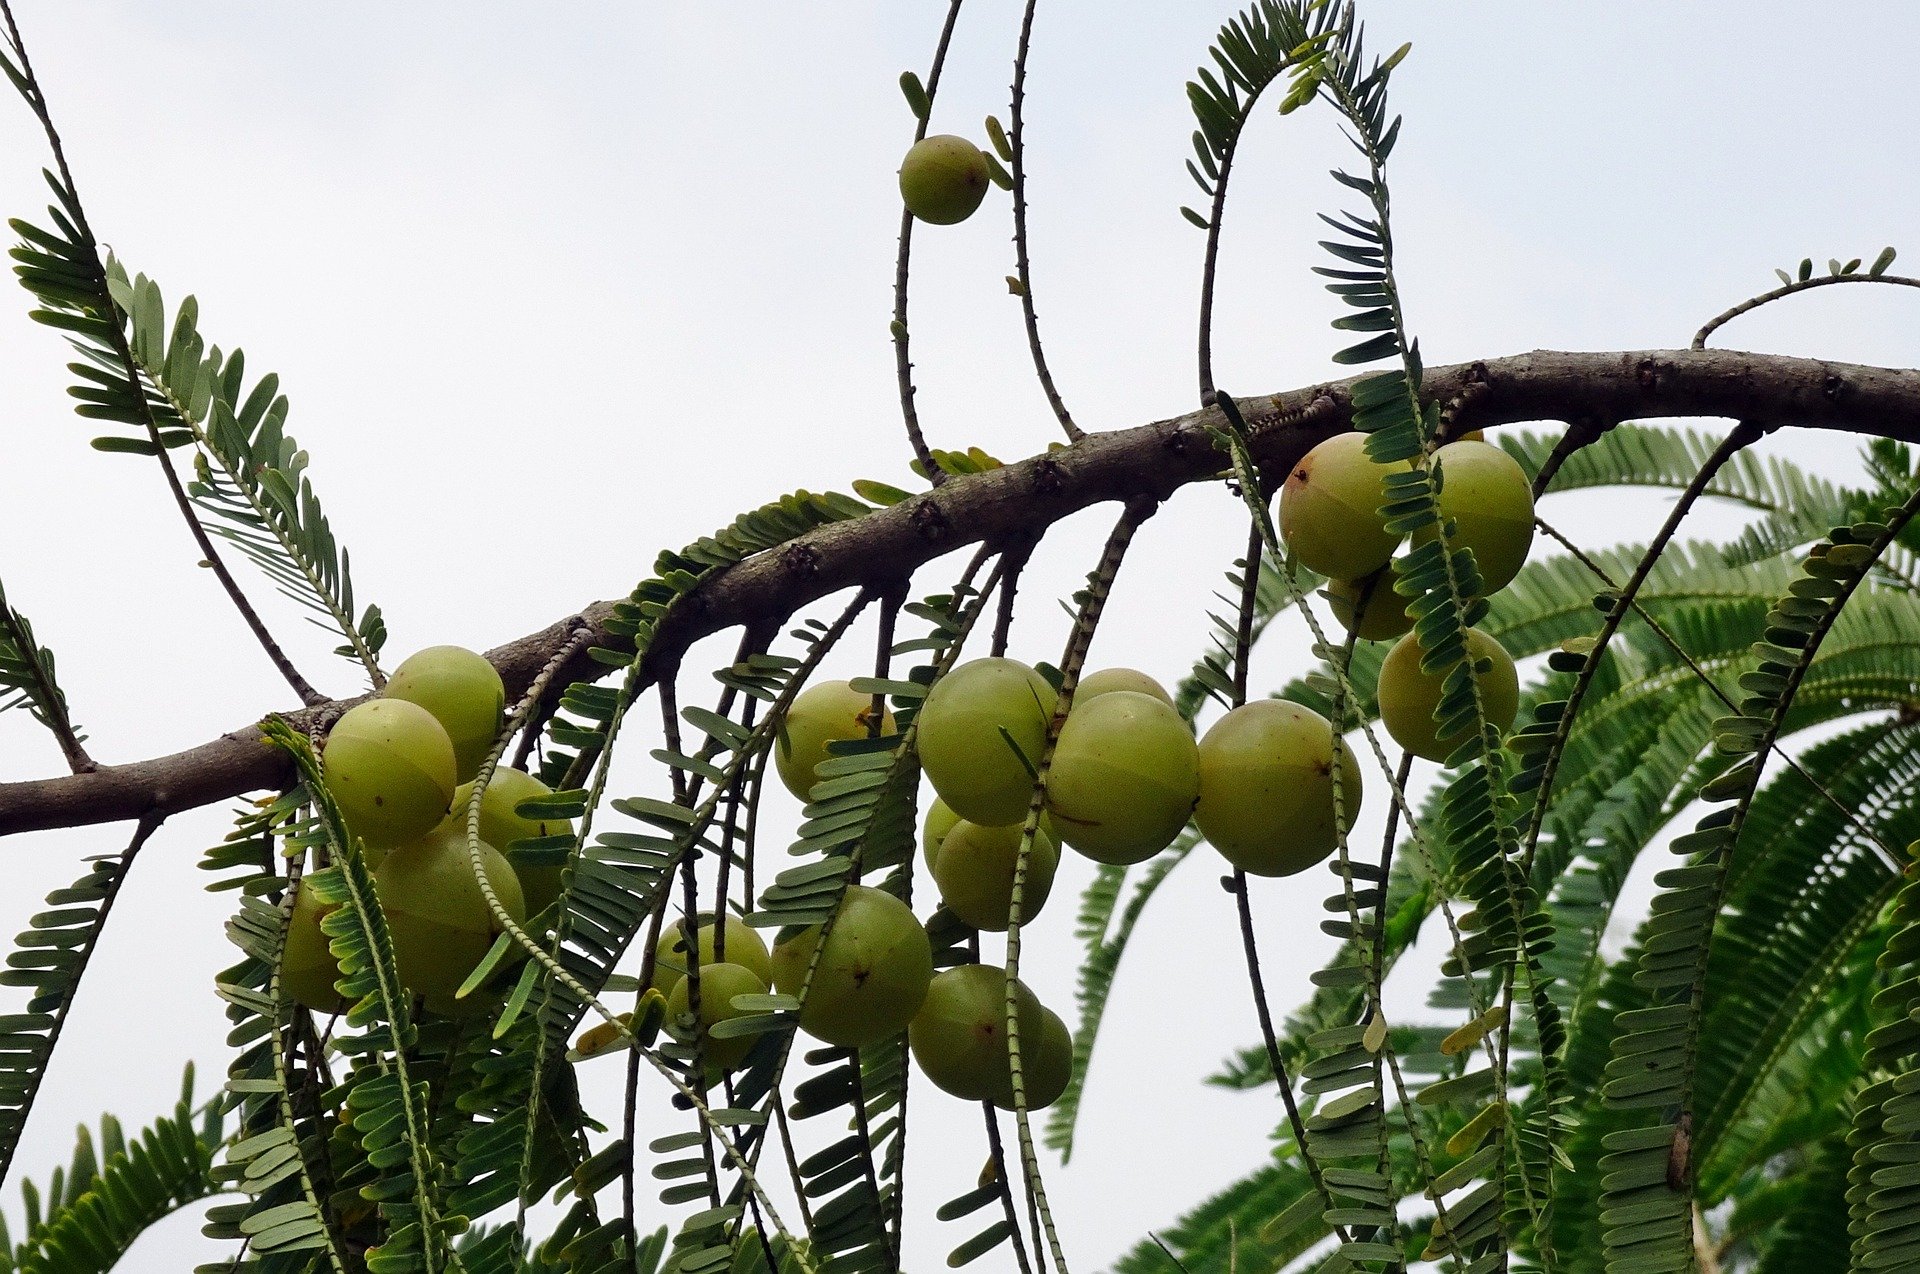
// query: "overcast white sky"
[[552, 287]]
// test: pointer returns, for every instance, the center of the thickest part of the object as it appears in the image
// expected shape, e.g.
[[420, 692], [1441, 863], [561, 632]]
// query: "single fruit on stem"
[[973, 721], [872, 975], [308, 970], [738, 945], [821, 714], [975, 873], [1046, 1063], [944, 178], [1330, 509], [390, 767], [939, 821], [462, 691], [1383, 614], [1486, 495], [1266, 787], [1409, 695], [439, 920], [719, 983], [501, 825], [1099, 683], [959, 1036], [1124, 779]]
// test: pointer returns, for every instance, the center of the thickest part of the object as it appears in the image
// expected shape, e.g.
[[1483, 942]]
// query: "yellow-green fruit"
[[872, 975], [1124, 778], [307, 967], [1266, 787], [821, 714], [1409, 696], [1485, 493], [1046, 1063], [944, 178], [439, 920], [501, 825], [462, 691], [940, 820], [739, 945], [1384, 615], [1099, 683], [975, 873], [719, 983], [966, 757], [1329, 510], [390, 767], [959, 1036]]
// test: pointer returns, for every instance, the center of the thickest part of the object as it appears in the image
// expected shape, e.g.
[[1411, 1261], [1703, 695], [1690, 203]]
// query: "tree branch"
[[1020, 501]]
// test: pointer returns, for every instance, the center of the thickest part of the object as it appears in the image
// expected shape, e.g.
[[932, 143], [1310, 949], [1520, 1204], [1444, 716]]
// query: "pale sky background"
[[552, 287]]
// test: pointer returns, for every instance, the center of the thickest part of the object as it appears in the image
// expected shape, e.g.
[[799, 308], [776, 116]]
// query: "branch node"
[[929, 520]]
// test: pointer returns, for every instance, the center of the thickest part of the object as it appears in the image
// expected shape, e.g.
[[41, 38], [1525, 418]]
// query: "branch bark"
[[1020, 501]]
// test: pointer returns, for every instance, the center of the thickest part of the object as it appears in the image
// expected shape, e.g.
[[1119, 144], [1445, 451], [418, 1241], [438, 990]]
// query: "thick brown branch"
[[1020, 501]]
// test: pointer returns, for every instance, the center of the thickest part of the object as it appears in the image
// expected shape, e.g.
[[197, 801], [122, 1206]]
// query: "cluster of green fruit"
[[401, 768], [1331, 520], [873, 980]]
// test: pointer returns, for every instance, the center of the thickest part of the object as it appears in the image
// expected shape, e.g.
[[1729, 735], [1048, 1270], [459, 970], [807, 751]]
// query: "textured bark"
[[1021, 500]]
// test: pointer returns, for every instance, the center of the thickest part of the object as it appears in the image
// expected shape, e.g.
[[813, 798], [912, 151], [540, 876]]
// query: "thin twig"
[[1013, 562], [902, 352], [1790, 289], [1016, 140], [1893, 859], [1236, 885]]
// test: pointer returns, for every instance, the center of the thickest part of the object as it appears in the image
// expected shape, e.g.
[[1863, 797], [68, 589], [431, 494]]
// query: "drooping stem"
[[1099, 583]]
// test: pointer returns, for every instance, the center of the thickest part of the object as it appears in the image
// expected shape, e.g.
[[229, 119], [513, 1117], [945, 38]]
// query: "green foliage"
[[91, 1211], [26, 672], [174, 390], [48, 959]]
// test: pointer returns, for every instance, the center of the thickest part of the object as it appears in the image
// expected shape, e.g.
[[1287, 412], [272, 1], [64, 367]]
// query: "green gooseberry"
[[308, 970], [719, 983], [975, 873], [1046, 1063], [966, 756], [959, 1036], [939, 821], [438, 918], [1409, 695], [739, 945], [943, 179], [1124, 778], [872, 974], [1098, 683], [828, 712], [1383, 614], [463, 692], [1266, 787], [1485, 494], [390, 768], [1330, 509], [501, 825]]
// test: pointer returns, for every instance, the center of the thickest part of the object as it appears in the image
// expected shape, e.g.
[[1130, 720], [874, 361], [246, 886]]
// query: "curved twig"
[[1792, 289]]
